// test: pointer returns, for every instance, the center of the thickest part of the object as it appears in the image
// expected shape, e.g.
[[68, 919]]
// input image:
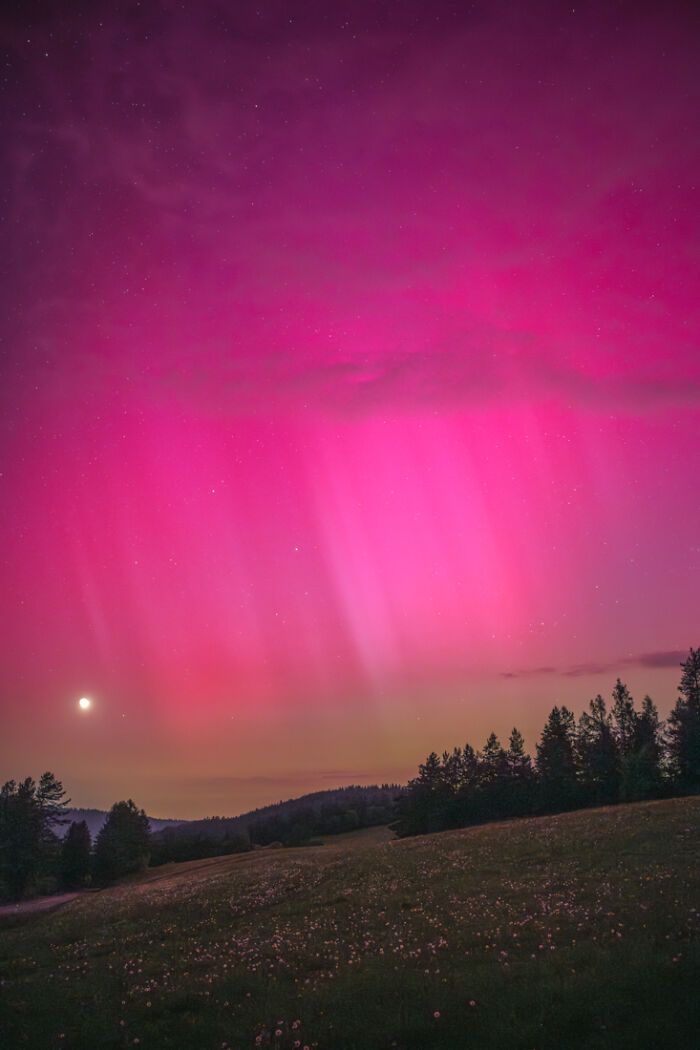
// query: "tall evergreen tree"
[[424, 807], [684, 726], [122, 845], [598, 754], [493, 761], [28, 813], [493, 767], [520, 778], [556, 762], [75, 855], [624, 717], [467, 795], [640, 774]]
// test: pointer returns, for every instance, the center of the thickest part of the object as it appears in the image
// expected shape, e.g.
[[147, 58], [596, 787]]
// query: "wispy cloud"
[[671, 658]]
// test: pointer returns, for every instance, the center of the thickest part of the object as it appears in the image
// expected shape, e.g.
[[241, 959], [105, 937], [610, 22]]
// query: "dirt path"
[[38, 904]]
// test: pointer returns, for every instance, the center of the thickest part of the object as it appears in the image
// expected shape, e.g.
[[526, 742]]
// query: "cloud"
[[664, 658], [671, 658]]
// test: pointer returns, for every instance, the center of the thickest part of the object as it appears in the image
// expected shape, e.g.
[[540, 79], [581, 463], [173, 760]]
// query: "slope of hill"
[[574, 931], [95, 818], [312, 806]]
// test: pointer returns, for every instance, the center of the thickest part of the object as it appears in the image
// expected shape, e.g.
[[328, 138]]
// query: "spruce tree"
[[122, 845], [519, 776], [684, 727], [556, 762], [598, 754], [75, 855], [624, 717], [28, 813], [640, 775]]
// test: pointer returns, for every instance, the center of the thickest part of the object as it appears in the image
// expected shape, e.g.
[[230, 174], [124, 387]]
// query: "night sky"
[[350, 383]]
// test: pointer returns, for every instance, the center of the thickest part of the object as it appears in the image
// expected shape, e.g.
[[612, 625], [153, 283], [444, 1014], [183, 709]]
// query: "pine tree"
[[684, 727], [424, 807], [624, 717], [556, 762], [28, 812], [493, 768], [520, 780], [598, 754], [75, 855], [467, 802], [640, 775], [122, 845]]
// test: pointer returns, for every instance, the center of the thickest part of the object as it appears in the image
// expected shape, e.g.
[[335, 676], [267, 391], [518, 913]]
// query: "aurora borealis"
[[350, 383]]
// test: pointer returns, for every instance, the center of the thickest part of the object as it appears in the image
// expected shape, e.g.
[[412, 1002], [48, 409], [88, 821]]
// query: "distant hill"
[[368, 800], [95, 818]]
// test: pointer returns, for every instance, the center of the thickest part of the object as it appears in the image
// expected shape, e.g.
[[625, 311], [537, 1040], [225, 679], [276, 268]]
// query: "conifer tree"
[[28, 813], [75, 855], [640, 773], [624, 717], [122, 845], [598, 754], [684, 727], [556, 762], [519, 776]]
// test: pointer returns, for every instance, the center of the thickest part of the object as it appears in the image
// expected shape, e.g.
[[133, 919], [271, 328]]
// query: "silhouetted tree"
[[640, 768], [493, 779], [467, 800], [425, 806], [519, 777], [684, 727], [75, 855], [598, 755], [556, 762], [624, 718], [122, 845], [28, 814], [616, 755]]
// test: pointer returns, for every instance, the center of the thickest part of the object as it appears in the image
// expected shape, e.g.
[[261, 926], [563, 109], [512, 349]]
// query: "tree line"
[[612, 754], [616, 754], [296, 822], [34, 857]]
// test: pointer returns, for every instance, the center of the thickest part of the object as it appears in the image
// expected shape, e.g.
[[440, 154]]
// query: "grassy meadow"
[[580, 930]]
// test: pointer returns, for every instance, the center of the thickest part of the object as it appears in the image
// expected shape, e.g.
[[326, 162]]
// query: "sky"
[[349, 384]]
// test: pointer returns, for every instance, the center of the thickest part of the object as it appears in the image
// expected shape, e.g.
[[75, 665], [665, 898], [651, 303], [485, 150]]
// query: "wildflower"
[[436, 1015]]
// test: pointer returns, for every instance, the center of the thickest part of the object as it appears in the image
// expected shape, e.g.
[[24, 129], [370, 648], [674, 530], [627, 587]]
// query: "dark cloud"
[[671, 658], [664, 658]]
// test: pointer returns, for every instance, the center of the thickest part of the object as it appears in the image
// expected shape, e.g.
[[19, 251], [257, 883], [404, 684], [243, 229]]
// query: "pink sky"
[[350, 386]]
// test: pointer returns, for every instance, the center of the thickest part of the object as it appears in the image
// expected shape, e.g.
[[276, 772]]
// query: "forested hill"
[[322, 812], [95, 818]]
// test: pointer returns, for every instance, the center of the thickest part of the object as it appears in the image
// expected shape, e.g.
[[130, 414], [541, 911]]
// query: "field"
[[573, 931]]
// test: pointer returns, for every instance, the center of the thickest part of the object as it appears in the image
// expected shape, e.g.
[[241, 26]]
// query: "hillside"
[[95, 818], [317, 804], [553, 933]]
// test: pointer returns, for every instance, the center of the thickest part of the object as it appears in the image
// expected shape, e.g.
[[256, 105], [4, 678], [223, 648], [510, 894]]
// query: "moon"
[[84, 703]]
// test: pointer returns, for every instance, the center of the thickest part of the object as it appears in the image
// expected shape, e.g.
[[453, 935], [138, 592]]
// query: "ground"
[[578, 930]]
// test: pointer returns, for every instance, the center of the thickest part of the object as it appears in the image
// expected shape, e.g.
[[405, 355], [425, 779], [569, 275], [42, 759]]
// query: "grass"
[[562, 932]]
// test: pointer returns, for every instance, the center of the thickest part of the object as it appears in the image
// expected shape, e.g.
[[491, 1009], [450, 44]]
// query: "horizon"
[[350, 386], [264, 790]]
